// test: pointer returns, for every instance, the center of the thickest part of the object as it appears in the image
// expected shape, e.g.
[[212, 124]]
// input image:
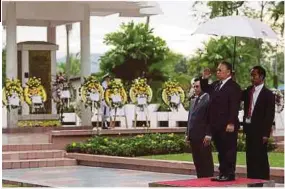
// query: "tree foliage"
[[135, 49]]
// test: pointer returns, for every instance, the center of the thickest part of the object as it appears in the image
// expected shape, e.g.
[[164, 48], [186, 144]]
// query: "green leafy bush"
[[141, 145]]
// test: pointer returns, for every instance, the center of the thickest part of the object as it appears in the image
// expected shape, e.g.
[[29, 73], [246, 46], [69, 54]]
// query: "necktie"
[[218, 85], [249, 113]]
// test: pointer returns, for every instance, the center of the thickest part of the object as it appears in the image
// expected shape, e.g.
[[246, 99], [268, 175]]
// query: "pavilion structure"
[[52, 14]]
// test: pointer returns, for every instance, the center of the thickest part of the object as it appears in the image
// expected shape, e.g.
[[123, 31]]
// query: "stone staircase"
[[33, 156]]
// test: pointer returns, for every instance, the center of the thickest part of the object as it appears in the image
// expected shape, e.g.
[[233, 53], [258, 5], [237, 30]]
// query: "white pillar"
[[53, 74], [51, 37], [25, 68], [85, 60], [11, 57], [51, 34]]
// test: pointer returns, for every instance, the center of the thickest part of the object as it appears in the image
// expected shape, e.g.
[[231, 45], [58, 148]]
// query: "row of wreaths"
[[140, 93], [92, 93]]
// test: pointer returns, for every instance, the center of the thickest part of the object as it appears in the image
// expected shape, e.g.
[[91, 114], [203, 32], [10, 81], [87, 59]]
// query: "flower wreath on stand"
[[92, 93], [62, 93], [172, 94], [141, 95], [115, 95], [12, 94], [279, 100], [34, 93]]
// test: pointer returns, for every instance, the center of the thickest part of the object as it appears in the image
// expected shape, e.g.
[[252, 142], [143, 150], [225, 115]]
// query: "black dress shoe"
[[217, 178], [226, 178]]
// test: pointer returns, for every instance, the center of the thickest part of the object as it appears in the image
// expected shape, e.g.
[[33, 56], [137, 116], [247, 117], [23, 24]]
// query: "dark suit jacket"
[[197, 126], [224, 104], [263, 112]]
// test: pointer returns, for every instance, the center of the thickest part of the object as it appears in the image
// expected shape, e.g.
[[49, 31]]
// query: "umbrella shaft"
[[235, 42]]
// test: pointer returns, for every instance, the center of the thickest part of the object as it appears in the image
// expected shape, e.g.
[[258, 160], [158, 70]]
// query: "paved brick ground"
[[83, 176]]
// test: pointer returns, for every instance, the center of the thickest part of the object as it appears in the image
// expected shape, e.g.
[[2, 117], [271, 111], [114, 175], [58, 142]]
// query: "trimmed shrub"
[[141, 145]]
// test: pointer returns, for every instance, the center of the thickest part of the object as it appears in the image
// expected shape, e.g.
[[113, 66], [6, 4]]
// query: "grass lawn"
[[275, 159]]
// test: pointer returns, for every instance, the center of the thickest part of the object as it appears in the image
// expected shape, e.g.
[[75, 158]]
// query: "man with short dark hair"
[[225, 96], [198, 133], [259, 111]]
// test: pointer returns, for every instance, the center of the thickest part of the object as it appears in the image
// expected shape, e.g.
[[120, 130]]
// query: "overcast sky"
[[175, 26]]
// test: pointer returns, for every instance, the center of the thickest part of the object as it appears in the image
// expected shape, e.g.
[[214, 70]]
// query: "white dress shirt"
[[224, 81], [255, 95]]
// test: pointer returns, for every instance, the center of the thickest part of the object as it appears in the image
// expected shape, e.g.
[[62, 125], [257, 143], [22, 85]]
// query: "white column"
[[51, 34], [25, 68], [53, 74], [85, 60], [51, 37], [11, 57]]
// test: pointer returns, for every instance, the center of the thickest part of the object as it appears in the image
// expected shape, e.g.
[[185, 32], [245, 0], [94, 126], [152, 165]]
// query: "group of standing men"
[[213, 116]]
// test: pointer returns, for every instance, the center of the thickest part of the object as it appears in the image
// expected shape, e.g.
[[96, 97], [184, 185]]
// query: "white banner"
[[14, 100], [141, 100], [65, 94], [116, 98], [94, 97], [37, 99], [175, 99]]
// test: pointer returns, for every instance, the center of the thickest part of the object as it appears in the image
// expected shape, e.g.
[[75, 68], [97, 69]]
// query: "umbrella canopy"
[[238, 26]]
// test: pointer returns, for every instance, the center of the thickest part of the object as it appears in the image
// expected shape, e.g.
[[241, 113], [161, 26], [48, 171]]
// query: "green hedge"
[[140, 145]]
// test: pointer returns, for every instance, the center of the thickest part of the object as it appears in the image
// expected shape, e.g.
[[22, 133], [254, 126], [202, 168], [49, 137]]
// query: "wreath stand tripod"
[[98, 115], [144, 107]]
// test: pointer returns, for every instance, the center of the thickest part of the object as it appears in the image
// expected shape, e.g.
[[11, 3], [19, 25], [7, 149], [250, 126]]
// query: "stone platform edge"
[[177, 167]]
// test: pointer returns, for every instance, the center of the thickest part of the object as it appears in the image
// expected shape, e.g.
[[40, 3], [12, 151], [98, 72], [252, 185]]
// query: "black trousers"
[[202, 157], [256, 157], [226, 145]]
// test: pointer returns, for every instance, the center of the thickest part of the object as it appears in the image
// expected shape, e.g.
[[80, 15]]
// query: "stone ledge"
[[179, 167], [38, 117], [116, 131], [42, 129]]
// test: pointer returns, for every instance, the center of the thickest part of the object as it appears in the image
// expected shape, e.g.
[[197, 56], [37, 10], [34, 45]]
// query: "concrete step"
[[28, 147], [34, 154], [35, 163]]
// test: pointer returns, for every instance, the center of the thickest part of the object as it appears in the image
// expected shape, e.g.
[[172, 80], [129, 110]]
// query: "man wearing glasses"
[[225, 96], [197, 133]]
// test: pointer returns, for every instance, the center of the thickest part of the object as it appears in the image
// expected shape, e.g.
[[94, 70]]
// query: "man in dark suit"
[[197, 133], [225, 96], [259, 111]]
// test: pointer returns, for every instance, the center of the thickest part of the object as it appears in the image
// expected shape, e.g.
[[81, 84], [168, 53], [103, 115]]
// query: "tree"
[[277, 15], [135, 49], [74, 65]]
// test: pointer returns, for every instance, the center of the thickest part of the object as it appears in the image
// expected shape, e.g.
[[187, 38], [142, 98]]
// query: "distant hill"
[[94, 61]]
